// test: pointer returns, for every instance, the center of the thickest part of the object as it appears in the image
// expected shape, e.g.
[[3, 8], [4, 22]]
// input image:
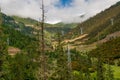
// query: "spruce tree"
[[100, 69], [109, 72], [62, 69], [87, 73], [3, 53]]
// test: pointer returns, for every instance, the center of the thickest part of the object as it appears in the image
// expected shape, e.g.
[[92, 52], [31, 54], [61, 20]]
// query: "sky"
[[67, 11], [64, 3]]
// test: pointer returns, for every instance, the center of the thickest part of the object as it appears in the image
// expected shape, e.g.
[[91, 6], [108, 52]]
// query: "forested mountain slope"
[[22, 33], [101, 25], [15, 34], [109, 50]]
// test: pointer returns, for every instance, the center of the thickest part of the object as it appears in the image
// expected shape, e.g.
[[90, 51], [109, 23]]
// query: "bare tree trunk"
[[43, 44]]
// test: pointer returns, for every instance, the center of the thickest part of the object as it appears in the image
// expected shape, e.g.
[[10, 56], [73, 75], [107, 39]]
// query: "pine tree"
[[3, 53], [109, 72], [87, 73], [62, 69], [100, 69]]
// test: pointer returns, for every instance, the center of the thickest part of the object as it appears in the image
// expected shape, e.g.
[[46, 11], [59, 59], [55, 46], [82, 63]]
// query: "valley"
[[35, 50]]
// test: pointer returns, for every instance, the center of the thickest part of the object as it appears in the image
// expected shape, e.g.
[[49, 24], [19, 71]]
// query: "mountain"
[[15, 34], [19, 26], [97, 27], [17, 29], [98, 37], [52, 28], [109, 49], [102, 24], [61, 27]]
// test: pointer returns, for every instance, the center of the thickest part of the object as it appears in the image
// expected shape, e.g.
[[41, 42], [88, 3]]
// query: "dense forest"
[[61, 62]]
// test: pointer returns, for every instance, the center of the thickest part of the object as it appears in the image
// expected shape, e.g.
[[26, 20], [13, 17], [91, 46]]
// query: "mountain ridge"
[[98, 24]]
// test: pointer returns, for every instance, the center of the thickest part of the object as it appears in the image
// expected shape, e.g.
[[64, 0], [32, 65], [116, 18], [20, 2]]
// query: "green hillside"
[[16, 34], [50, 28], [19, 26], [61, 27], [25, 20]]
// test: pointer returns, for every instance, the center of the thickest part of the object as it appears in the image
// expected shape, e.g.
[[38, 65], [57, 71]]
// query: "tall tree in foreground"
[[43, 64]]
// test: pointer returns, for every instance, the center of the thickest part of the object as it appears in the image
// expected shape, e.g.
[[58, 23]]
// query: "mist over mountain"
[[79, 40]]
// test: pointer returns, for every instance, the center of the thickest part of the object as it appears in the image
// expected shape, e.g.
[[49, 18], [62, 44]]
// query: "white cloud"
[[31, 8]]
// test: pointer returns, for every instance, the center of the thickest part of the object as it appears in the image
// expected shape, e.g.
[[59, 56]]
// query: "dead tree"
[[43, 44]]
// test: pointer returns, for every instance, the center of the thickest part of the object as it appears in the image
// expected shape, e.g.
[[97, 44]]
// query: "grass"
[[116, 70]]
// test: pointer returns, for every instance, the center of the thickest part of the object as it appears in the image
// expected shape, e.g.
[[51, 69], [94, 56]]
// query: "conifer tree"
[[88, 62], [109, 72], [3, 52], [62, 69], [100, 69]]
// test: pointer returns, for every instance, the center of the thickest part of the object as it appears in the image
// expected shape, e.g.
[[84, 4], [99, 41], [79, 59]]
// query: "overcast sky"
[[56, 10]]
